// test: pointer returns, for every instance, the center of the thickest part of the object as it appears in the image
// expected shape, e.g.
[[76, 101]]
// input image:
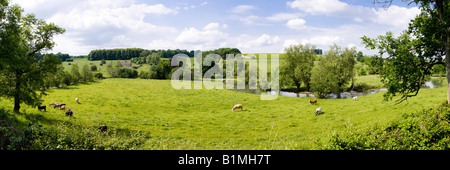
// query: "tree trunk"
[[441, 10], [447, 63], [17, 95]]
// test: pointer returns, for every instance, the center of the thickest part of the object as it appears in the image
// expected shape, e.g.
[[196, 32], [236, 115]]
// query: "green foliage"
[[75, 73], [22, 69], [162, 70], [114, 54], [403, 72], [334, 72], [299, 61], [428, 129], [360, 57], [31, 134], [375, 64], [94, 68], [222, 52], [439, 70], [86, 74], [98, 75], [411, 56]]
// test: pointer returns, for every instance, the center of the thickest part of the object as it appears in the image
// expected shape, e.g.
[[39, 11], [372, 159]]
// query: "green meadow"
[[203, 119]]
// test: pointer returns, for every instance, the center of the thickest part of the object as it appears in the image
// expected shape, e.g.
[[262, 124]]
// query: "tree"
[[360, 57], [334, 72], [299, 61], [162, 70], [22, 38], [75, 73], [93, 68], [410, 58], [86, 74], [154, 58]]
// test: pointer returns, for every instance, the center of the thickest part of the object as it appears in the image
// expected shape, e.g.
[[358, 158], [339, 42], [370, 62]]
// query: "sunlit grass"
[[202, 119]]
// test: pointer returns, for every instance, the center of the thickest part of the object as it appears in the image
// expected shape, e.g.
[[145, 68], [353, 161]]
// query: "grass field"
[[202, 119]]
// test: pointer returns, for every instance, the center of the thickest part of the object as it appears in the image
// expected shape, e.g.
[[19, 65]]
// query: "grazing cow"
[[62, 107], [355, 98], [52, 104], [237, 107], [58, 105], [103, 128], [318, 110], [69, 112], [77, 100], [42, 107], [312, 101]]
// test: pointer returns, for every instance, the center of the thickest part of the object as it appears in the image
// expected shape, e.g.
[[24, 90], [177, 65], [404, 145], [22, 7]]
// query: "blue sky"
[[266, 26]]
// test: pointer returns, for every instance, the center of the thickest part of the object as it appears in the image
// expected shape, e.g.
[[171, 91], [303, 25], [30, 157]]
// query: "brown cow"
[[312, 101]]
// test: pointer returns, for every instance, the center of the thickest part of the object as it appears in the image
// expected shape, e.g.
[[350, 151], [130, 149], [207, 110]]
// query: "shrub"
[[98, 75], [428, 129], [361, 87], [93, 68]]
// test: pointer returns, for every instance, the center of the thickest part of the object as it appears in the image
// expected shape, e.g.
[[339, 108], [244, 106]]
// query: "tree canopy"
[[22, 71], [334, 71], [410, 57], [298, 66]]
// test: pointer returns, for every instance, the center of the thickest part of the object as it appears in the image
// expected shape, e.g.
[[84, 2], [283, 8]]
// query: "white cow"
[[355, 98], [318, 110], [77, 100]]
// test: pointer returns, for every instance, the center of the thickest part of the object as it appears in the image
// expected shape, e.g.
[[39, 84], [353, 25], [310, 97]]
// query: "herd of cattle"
[[237, 106], [313, 101], [60, 106]]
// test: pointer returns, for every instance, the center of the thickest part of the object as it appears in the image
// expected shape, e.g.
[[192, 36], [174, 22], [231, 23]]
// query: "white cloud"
[[322, 40], [209, 35], [212, 26], [242, 9], [318, 6], [251, 20], [104, 24], [395, 16], [296, 24], [283, 16], [246, 43], [290, 42]]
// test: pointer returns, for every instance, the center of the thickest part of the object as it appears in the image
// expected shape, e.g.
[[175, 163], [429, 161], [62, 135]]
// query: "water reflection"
[[344, 95]]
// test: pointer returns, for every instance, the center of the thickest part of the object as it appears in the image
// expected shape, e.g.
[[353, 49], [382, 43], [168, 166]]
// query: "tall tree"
[[410, 57], [75, 73], [299, 61], [22, 38], [86, 74], [334, 72]]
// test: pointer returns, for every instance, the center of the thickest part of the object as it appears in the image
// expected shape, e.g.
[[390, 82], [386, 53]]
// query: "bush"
[[17, 134], [93, 68], [127, 73], [361, 87], [77, 137], [425, 130], [98, 75], [362, 72]]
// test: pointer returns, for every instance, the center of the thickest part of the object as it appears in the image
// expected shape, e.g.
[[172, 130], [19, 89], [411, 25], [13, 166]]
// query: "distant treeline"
[[114, 54], [222, 52], [62, 57], [129, 53]]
